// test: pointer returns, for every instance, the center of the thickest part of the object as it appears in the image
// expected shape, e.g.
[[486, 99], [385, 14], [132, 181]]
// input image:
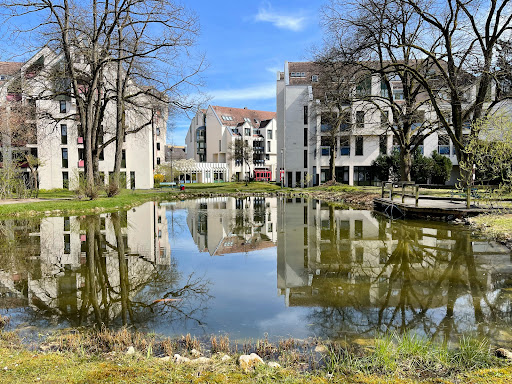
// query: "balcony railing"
[[259, 162]]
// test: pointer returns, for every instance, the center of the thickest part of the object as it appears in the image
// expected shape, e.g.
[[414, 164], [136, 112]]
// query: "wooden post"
[[382, 193], [417, 194], [468, 197], [391, 192], [403, 193]]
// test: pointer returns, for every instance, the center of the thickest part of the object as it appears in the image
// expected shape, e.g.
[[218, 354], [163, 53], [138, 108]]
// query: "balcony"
[[258, 149], [81, 163], [259, 162], [201, 151]]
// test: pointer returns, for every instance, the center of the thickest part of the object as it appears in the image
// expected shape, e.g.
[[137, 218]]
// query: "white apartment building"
[[212, 134], [305, 160], [57, 139]]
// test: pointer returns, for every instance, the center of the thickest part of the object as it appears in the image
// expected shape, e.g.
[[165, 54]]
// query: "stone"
[[165, 359], [131, 350], [195, 353], [504, 353], [321, 349], [201, 360], [225, 358], [181, 359], [247, 362], [273, 364]]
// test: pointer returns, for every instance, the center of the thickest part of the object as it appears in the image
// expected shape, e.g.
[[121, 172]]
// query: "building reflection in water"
[[224, 225], [104, 269], [364, 274]]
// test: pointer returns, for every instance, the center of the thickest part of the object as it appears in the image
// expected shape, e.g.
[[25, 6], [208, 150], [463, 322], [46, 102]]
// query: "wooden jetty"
[[405, 201]]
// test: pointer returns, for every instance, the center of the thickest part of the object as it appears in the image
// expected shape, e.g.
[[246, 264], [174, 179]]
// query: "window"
[[443, 146], [269, 134], [298, 179], [64, 157], [157, 146], [345, 146], [63, 107], [65, 180], [305, 158], [67, 244], [63, 134], [158, 133], [297, 74], [384, 119], [246, 119], [269, 146], [383, 89], [305, 137], [359, 145], [360, 119], [314, 78], [267, 157], [157, 161], [306, 114], [132, 184], [220, 145], [383, 144], [123, 158], [247, 131], [227, 118], [67, 224], [364, 87]]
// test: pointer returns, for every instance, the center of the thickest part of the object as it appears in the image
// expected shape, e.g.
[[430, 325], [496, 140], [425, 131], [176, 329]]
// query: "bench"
[[167, 185]]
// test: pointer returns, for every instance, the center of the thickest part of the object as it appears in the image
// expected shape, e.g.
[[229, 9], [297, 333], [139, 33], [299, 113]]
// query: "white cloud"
[[258, 92], [292, 22]]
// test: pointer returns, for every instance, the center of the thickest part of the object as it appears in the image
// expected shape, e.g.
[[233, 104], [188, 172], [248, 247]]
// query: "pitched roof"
[[8, 69], [240, 114]]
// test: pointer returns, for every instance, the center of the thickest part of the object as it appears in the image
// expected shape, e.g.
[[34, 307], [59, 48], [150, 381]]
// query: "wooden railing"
[[403, 189]]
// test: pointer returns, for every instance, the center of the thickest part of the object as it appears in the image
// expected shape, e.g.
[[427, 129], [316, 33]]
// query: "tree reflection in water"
[[102, 282], [366, 275]]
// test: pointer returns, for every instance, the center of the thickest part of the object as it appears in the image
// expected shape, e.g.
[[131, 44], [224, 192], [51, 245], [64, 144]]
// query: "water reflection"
[[103, 269], [226, 225], [364, 274], [340, 273]]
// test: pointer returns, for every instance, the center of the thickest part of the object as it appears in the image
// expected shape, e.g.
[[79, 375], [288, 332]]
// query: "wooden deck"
[[428, 207]]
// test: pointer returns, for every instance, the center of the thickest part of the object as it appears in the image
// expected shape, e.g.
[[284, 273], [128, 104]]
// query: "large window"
[[383, 144], [269, 134], [443, 146], [305, 137], [123, 158], [360, 119], [64, 157], [359, 145], [384, 119], [65, 180], [345, 146], [63, 134], [306, 114], [63, 106], [305, 158]]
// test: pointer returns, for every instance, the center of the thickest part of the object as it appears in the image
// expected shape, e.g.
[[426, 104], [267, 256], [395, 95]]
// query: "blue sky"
[[246, 43]]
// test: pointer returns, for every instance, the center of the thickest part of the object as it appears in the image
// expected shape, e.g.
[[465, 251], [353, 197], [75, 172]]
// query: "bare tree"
[[96, 38], [377, 34]]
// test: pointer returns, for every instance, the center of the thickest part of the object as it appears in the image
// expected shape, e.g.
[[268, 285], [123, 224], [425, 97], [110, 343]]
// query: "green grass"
[[496, 225], [100, 357]]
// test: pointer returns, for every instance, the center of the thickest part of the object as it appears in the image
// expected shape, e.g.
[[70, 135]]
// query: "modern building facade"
[[213, 132], [57, 139], [300, 131]]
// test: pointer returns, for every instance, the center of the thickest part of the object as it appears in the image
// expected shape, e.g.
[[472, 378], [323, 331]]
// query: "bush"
[[158, 178]]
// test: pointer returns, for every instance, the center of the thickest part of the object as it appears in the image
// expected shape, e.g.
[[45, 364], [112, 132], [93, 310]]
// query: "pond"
[[254, 266]]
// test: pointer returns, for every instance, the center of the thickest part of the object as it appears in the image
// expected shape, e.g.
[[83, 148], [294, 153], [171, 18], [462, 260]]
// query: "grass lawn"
[[497, 225]]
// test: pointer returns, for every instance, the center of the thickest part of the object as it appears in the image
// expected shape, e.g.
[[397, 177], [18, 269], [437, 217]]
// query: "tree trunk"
[[332, 161], [405, 164]]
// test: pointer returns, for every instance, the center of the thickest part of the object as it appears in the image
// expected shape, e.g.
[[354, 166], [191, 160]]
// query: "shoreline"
[[98, 356]]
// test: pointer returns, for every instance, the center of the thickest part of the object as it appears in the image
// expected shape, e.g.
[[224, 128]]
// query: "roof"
[[9, 69], [239, 115]]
